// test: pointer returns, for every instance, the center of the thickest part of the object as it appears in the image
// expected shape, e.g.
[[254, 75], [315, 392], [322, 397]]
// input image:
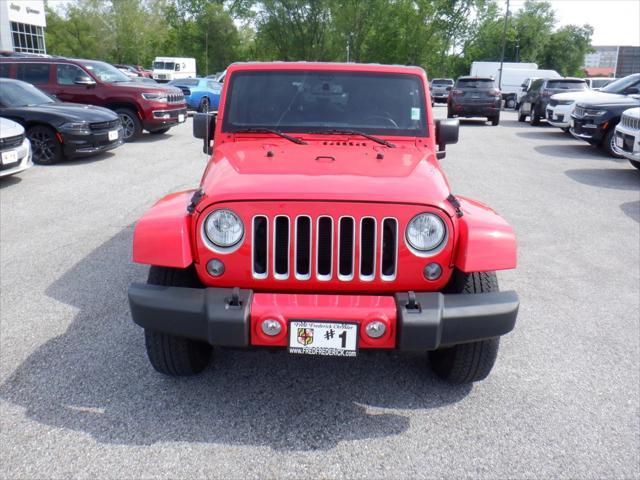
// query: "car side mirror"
[[204, 125], [84, 80], [446, 133]]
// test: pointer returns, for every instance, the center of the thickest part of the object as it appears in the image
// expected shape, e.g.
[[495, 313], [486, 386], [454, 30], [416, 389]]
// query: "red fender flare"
[[486, 242], [161, 237]]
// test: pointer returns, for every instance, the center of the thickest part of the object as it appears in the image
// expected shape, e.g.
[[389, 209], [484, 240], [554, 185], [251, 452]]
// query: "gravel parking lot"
[[78, 397]]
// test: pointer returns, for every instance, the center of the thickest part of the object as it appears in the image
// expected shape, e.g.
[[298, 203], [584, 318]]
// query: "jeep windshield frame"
[[313, 101]]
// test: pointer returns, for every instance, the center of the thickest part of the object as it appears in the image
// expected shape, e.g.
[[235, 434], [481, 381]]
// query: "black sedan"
[[58, 129], [594, 120]]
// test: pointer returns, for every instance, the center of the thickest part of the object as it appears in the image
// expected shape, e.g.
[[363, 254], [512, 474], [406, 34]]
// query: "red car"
[[324, 224], [140, 106]]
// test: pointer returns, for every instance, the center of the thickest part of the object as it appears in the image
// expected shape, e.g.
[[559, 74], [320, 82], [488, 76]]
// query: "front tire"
[[467, 362], [495, 120], [169, 354], [205, 105], [609, 141], [521, 116], [47, 149], [131, 125], [535, 117]]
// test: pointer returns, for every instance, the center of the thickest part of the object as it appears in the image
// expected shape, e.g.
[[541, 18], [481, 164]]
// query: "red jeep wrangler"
[[324, 224]]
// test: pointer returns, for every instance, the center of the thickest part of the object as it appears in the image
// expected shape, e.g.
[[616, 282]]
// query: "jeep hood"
[[324, 171]]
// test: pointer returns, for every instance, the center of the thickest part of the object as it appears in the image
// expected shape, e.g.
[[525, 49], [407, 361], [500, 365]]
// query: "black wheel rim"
[[44, 145], [128, 125], [205, 105]]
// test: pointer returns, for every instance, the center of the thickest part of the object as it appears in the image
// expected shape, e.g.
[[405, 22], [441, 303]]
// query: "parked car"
[[596, 83], [128, 71], [324, 224], [627, 136], [561, 105], [440, 88], [475, 97], [534, 103], [595, 120], [56, 129], [201, 94], [140, 106], [15, 148]]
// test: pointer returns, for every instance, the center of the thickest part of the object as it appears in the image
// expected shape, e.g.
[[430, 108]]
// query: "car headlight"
[[592, 112], [223, 228], [155, 96], [75, 127], [425, 232]]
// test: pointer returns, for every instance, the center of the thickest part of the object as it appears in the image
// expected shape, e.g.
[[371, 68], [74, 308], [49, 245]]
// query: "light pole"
[[504, 41]]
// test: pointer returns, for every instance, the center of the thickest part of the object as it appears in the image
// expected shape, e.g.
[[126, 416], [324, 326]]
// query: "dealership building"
[[22, 24]]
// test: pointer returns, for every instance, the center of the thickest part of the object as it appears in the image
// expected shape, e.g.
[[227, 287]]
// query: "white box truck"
[[514, 75], [166, 69]]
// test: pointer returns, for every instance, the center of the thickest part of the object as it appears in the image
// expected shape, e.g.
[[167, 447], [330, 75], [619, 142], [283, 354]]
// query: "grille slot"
[[579, 112], [630, 122], [303, 248], [281, 248], [346, 237], [11, 142], [260, 246], [389, 251], [325, 248], [367, 248]]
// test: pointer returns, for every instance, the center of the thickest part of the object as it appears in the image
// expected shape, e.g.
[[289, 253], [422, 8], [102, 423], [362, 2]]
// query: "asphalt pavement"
[[78, 397]]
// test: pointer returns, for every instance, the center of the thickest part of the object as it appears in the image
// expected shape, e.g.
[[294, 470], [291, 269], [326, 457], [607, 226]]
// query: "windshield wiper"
[[273, 131], [337, 131]]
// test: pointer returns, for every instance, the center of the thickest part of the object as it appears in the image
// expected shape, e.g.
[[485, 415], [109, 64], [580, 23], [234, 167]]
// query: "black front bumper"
[[475, 110], [163, 118], [587, 130], [77, 145], [218, 317]]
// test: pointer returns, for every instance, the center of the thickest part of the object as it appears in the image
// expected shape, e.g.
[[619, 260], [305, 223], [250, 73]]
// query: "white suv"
[[627, 139], [15, 148]]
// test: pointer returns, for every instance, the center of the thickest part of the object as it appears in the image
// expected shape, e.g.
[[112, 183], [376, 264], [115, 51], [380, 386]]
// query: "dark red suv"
[[141, 106]]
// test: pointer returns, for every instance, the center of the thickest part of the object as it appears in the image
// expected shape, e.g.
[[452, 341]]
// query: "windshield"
[[187, 82], [22, 94], [441, 82], [566, 85], [312, 101], [621, 84], [105, 72], [600, 82], [164, 65], [475, 83]]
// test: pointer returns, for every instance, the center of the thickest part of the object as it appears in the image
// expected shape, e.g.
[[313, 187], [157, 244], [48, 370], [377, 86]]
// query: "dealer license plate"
[[113, 135], [323, 338], [9, 157], [619, 142], [180, 118]]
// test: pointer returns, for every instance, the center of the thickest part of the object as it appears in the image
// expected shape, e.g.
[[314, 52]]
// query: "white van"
[[166, 69]]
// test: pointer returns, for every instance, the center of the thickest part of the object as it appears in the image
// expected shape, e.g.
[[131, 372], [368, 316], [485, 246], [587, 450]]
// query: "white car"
[[627, 139], [15, 148]]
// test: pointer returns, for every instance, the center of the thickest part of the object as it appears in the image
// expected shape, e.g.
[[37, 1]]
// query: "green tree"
[[566, 49]]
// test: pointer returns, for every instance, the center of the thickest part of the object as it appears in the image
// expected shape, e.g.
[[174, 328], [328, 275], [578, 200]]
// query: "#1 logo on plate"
[[323, 338]]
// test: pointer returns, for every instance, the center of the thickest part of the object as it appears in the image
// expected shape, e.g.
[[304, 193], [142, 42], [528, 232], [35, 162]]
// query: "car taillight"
[[546, 93], [456, 93], [494, 92]]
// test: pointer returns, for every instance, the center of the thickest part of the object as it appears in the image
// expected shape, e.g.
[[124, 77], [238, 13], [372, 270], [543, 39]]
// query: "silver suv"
[[440, 88]]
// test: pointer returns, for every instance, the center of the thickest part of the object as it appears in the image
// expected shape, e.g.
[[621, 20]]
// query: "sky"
[[615, 22]]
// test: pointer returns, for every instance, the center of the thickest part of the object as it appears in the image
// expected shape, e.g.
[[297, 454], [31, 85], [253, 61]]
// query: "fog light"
[[432, 271], [375, 329], [271, 327], [215, 267]]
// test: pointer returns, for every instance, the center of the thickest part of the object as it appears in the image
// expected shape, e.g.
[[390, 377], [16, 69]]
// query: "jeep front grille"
[[304, 247], [630, 122], [579, 112]]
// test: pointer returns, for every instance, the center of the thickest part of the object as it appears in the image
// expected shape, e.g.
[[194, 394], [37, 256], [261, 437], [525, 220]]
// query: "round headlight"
[[223, 228], [426, 231]]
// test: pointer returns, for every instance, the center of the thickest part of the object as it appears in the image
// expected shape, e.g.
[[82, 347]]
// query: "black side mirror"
[[446, 133], [204, 125], [84, 80]]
